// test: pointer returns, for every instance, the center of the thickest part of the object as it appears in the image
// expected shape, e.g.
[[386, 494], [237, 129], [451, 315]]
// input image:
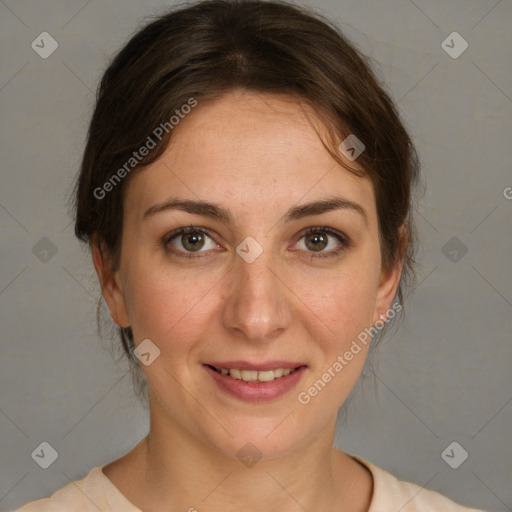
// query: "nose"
[[257, 306]]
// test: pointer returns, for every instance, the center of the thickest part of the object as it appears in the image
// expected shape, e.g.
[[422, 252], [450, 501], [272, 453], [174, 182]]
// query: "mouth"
[[256, 382], [255, 375]]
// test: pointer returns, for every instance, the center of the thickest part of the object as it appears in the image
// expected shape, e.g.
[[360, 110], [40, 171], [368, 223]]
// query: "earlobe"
[[111, 287], [388, 288], [390, 281]]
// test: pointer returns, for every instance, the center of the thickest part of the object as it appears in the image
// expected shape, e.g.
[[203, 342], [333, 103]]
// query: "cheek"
[[163, 304], [336, 317], [341, 304]]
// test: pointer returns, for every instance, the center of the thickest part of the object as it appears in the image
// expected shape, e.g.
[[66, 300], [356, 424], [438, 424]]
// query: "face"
[[279, 268]]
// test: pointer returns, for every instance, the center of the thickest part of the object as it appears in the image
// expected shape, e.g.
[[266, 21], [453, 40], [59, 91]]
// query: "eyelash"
[[345, 242]]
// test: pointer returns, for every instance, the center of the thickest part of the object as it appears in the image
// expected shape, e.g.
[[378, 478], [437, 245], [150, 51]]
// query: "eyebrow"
[[214, 211]]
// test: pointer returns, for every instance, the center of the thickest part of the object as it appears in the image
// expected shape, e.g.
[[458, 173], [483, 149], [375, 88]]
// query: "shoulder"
[[90, 494], [389, 493]]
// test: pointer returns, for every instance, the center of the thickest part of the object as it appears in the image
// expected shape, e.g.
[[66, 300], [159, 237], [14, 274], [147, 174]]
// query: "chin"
[[253, 439]]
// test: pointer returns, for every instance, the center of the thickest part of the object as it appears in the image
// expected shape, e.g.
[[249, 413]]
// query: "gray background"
[[444, 377]]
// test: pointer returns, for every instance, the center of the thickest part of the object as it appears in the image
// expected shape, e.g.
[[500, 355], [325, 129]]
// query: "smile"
[[268, 382], [253, 375]]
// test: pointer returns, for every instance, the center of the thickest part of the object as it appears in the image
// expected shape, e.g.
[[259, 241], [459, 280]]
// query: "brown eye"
[[189, 240], [316, 241], [192, 241]]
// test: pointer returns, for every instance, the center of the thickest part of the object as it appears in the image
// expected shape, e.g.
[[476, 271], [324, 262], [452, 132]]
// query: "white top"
[[96, 492]]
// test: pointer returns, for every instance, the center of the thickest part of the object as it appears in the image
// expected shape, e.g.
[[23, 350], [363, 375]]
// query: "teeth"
[[253, 375], [236, 374], [265, 376]]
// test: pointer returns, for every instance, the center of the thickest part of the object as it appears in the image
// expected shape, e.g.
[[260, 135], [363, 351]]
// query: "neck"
[[172, 467]]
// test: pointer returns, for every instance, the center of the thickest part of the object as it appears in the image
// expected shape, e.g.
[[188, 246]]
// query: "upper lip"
[[246, 365]]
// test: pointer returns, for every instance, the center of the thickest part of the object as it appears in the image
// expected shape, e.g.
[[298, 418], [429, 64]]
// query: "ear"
[[390, 280], [111, 286]]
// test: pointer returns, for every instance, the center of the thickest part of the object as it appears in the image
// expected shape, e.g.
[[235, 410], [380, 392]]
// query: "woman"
[[246, 194]]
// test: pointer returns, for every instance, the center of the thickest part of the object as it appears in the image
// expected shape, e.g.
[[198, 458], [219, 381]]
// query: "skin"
[[257, 156]]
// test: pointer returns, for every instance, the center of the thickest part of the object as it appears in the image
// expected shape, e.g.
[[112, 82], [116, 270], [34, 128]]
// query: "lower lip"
[[257, 391]]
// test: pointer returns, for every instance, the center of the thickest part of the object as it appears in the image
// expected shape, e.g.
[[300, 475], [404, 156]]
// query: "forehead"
[[248, 148]]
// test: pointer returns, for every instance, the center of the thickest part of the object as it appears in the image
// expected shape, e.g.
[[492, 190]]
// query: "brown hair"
[[201, 52]]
